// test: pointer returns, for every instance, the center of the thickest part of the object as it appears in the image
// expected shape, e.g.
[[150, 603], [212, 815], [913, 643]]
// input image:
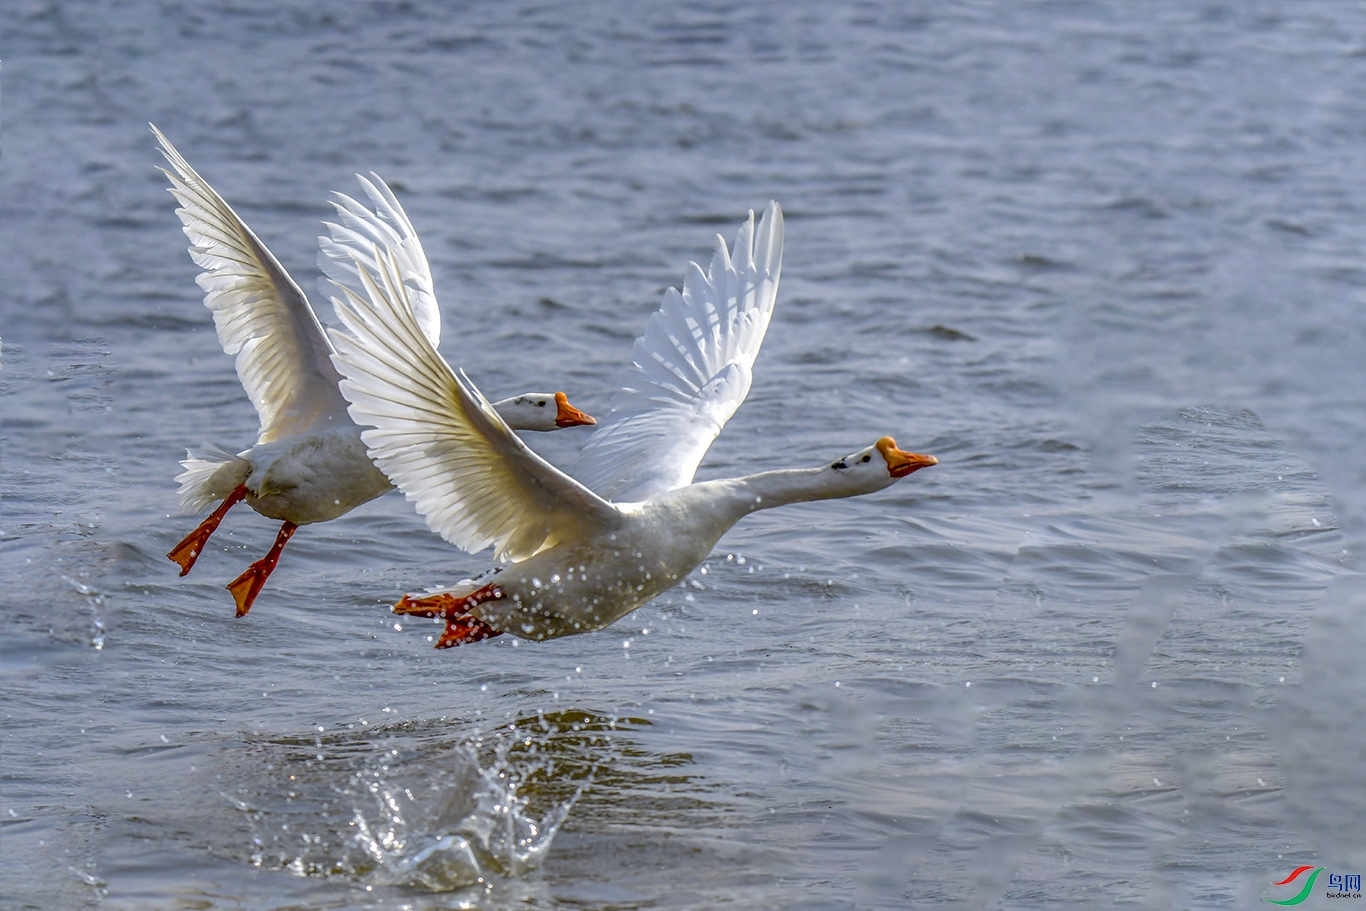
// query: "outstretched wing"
[[352, 243], [436, 436], [689, 371], [262, 317]]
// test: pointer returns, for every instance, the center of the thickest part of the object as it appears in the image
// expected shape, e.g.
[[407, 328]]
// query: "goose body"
[[309, 477], [309, 463], [592, 582], [583, 553]]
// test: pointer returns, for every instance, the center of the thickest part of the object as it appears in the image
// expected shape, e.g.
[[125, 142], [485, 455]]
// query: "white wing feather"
[[689, 371], [352, 244], [440, 441], [262, 316]]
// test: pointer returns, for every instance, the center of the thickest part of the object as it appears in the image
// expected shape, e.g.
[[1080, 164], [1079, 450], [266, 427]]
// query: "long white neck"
[[738, 497]]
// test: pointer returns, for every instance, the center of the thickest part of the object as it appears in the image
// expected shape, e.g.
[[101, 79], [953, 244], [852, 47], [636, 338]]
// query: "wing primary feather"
[[349, 248], [690, 368], [262, 317], [432, 431]]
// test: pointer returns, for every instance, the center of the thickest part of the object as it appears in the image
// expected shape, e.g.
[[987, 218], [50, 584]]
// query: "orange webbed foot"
[[445, 604], [463, 630], [460, 627], [187, 551], [247, 586], [441, 605]]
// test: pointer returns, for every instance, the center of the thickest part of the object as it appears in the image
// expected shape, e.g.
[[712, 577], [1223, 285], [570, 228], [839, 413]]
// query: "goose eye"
[[541, 403], [866, 458]]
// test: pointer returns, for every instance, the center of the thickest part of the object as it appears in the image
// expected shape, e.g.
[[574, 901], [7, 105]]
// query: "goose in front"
[[309, 463], [584, 552]]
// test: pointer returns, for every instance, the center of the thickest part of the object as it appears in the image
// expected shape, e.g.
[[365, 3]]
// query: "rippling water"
[[1103, 259]]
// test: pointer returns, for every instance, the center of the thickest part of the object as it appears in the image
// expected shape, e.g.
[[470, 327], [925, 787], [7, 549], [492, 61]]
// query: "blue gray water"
[[1106, 260]]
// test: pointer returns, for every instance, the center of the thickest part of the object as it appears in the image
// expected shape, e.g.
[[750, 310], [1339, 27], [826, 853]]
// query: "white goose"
[[309, 463], [583, 554]]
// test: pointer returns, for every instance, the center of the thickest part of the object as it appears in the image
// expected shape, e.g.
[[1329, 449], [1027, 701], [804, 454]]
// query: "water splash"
[[489, 829], [95, 600], [408, 806]]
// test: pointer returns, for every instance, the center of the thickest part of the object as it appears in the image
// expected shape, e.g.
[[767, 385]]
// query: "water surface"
[[1104, 260]]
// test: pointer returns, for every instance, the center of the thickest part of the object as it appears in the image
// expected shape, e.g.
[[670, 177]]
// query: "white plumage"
[[437, 437], [309, 463], [352, 240], [689, 371], [582, 559]]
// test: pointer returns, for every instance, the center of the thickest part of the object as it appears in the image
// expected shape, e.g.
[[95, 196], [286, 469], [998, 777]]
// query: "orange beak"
[[567, 415], [901, 463]]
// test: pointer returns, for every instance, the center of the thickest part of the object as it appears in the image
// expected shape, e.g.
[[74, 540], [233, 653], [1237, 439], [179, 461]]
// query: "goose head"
[[541, 411], [878, 466]]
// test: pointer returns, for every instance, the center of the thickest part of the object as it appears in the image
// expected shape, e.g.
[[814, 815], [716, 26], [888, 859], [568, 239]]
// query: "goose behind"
[[309, 463]]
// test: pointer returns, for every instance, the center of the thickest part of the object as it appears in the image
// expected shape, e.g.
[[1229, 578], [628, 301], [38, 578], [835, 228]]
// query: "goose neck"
[[781, 488]]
